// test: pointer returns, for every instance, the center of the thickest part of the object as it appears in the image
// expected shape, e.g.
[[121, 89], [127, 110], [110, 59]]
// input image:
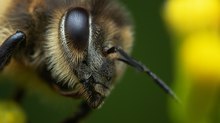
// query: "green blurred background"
[[136, 99]]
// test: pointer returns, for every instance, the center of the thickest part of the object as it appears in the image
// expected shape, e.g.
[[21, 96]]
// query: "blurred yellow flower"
[[200, 54], [187, 16], [11, 113]]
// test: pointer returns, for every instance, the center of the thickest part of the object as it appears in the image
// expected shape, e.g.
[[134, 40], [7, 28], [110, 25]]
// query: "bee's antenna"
[[142, 68]]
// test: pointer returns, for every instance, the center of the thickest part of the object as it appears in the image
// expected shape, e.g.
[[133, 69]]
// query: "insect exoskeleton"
[[67, 43], [77, 40]]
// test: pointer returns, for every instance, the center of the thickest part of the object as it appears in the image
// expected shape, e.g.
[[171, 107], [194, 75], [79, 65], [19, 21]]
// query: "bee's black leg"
[[82, 112], [9, 46], [7, 49]]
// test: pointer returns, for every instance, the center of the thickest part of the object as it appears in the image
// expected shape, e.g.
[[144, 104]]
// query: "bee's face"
[[84, 40], [85, 51]]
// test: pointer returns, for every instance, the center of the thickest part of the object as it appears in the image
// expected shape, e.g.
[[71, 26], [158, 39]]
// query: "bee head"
[[79, 52]]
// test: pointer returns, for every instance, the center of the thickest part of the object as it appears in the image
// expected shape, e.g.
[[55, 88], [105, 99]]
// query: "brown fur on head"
[[89, 72]]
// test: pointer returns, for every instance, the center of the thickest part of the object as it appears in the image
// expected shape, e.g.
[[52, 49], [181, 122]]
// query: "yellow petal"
[[187, 16], [200, 56], [11, 113]]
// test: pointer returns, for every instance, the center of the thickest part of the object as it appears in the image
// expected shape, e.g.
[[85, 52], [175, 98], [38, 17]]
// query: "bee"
[[80, 48]]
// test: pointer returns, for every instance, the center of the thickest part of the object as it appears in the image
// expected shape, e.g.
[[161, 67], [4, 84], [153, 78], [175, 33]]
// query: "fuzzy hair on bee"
[[78, 47], [66, 60]]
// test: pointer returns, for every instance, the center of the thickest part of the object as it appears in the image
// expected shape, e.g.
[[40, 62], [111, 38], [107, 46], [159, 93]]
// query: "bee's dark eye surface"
[[77, 27]]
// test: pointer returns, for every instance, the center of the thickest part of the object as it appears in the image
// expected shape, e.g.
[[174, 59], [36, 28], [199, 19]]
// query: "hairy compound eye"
[[77, 27]]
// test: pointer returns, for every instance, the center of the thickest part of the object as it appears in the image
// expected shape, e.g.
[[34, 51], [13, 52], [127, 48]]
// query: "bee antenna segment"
[[142, 68]]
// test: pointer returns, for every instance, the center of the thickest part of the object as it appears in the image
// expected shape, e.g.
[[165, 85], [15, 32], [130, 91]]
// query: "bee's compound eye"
[[77, 27]]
